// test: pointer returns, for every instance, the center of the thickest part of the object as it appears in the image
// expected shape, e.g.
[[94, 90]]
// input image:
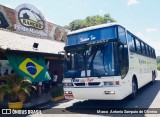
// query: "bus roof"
[[92, 28], [102, 26]]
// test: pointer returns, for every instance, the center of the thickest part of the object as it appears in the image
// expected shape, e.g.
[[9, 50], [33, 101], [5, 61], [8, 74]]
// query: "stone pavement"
[[36, 101]]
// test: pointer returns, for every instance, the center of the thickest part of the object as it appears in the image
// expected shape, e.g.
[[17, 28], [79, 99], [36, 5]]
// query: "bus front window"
[[101, 63], [74, 64], [95, 61]]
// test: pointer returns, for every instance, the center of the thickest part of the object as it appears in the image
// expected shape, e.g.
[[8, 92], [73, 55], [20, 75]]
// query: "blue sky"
[[139, 16]]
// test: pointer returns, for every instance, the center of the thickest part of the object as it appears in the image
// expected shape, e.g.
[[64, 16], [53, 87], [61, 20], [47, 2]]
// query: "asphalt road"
[[148, 97]]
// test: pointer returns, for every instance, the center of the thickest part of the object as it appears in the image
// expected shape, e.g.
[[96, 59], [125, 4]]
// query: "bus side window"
[[150, 51], [143, 48], [131, 42], [154, 53], [123, 59], [138, 46], [122, 35], [147, 53]]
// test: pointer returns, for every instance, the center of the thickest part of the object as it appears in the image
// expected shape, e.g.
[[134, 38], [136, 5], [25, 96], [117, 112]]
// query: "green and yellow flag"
[[33, 68]]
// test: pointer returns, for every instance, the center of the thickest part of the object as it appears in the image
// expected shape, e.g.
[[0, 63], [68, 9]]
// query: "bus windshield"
[[92, 61]]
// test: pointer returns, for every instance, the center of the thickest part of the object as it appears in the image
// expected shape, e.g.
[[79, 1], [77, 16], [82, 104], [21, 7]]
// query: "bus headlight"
[[68, 84], [108, 83], [109, 92], [68, 95], [68, 92], [111, 83]]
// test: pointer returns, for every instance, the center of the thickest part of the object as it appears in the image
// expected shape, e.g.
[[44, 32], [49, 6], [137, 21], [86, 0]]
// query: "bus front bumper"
[[105, 93]]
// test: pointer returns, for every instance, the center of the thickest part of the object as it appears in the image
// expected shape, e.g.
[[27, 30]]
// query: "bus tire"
[[134, 89], [153, 77]]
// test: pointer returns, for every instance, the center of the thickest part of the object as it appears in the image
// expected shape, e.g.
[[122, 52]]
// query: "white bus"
[[106, 62]]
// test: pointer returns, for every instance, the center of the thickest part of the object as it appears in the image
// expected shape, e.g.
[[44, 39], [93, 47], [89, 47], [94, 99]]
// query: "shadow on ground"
[[144, 99]]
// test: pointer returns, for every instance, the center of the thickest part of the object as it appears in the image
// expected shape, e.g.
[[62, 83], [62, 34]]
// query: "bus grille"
[[93, 83], [89, 84], [79, 84]]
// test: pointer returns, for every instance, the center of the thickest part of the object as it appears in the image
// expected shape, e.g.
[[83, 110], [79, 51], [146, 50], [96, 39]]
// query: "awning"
[[11, 42]]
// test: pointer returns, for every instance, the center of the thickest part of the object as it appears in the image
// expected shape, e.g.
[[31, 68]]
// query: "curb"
[[57, 98], [34, 106]]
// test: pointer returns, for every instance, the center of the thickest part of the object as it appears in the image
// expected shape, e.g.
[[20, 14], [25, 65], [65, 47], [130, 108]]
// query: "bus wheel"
[[153, 78], [134, 89]]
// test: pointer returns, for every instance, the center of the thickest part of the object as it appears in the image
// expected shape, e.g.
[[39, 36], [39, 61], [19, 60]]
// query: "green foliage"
[[89, 21], [158, 66], [158, 59], [158, 63], [17, 88], [57, 91], [3, 91]]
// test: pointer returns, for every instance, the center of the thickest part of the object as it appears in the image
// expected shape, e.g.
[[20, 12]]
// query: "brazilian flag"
[[33, 68]]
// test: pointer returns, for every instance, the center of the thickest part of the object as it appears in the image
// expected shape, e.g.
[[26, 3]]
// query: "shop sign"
[[30, 17], [29, 20], [29, 30]]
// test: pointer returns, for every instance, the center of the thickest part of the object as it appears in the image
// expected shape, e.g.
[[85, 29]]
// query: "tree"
[[158, 66], [158, 59], [158, 63], [89, 21], [76, 24]]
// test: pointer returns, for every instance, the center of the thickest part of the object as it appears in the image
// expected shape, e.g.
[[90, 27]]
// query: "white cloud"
[[140, 35], [101, 12], [149, 30], [132, 2]]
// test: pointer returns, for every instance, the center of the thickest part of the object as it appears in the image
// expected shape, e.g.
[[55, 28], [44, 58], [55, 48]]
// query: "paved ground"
[[148, 97]]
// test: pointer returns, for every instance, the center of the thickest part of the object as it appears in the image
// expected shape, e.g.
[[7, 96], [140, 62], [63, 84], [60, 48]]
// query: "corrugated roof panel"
[[13, 41]]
